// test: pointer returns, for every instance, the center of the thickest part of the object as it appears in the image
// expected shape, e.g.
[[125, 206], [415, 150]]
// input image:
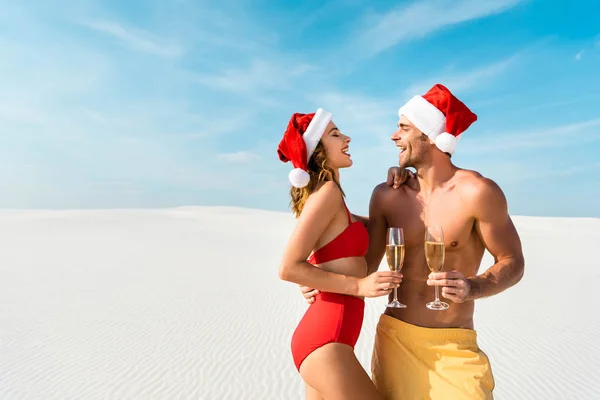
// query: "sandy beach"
[[186, 303]]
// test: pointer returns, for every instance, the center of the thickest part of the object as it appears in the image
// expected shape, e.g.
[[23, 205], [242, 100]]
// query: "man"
[[421, 353]]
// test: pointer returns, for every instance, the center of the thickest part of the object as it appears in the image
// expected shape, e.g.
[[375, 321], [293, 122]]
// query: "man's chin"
[[404, 162]]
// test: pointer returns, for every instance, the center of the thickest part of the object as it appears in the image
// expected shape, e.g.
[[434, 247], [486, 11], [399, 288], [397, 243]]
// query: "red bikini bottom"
[[332, 318]]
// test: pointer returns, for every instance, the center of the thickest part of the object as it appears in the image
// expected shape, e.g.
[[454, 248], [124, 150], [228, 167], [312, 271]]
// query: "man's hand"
[[397, 177], [309, 294], [455, 286]]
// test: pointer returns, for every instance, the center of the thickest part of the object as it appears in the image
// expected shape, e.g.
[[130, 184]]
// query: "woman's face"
[[336, 146]]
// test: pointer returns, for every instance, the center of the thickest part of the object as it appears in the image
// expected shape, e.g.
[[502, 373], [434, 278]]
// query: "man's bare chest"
[[414, 213]]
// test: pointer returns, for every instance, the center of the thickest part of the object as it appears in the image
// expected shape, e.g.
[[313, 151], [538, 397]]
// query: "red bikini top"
[[352, 242]]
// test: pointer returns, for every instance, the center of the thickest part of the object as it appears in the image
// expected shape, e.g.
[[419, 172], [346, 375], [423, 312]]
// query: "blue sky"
[[113, 104]]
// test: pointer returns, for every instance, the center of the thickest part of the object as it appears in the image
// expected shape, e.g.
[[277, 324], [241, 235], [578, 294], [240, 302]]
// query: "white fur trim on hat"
[[299, 177], [424, 116], [315, 130], [446, 142]]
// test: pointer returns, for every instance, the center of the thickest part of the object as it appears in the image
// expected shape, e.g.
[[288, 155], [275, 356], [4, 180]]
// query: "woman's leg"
[[312, 394], [334, 372]]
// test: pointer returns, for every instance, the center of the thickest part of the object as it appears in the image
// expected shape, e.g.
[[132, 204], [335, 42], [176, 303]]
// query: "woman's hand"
[[379, 283], [397, 176]]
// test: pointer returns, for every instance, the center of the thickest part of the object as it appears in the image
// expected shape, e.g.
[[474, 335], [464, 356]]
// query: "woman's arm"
[[362, 220], [317, 214]]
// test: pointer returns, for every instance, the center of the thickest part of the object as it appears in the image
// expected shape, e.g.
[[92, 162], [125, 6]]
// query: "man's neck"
[[435, 175]]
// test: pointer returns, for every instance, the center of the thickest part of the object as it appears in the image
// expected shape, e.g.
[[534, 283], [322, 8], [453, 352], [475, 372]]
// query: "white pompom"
[[299, 177], [446, 142]]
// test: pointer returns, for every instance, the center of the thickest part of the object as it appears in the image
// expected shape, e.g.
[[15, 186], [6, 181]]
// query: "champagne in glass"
[[394, 252], [434, 253]]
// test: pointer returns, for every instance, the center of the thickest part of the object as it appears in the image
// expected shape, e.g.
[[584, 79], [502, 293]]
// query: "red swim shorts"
[[332, 318]]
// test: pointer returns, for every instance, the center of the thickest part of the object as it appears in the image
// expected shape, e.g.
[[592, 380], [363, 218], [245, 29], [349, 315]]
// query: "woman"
[[323, 343]]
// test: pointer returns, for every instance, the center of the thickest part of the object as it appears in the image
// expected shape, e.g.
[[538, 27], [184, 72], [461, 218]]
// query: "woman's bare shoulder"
[[326, 195]]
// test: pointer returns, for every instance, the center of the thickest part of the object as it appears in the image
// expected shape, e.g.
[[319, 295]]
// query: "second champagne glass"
[[435, 253], [394, 252]]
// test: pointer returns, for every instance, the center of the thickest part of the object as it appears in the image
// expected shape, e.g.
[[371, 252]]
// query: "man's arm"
[[362, 220], [396, 177], [377, 228], [499, 235]]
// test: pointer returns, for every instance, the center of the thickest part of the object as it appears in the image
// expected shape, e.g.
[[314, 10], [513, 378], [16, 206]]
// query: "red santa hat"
[[299, 142], [439, 115]]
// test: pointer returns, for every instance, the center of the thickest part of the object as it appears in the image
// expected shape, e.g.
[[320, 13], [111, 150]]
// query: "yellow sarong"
[[413, 363]]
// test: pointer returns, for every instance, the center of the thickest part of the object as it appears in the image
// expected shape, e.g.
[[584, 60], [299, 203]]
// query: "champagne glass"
[[434, 253], [394, 252]]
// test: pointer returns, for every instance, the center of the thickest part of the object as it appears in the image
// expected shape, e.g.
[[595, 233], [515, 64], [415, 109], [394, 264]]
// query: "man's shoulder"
[[477, 189], [385, 198], [474, 183], [383, 190]]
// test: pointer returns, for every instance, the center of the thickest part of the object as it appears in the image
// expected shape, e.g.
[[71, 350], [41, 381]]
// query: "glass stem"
[[395, 294], [437, 294]]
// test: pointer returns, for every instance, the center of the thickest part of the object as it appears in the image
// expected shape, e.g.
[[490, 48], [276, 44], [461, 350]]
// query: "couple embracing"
[[419, 352]]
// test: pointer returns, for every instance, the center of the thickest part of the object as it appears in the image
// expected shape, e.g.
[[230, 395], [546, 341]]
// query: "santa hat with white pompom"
[[299, 142], [439, 115]]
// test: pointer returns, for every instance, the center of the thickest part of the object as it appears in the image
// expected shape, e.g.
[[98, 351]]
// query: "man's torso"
[[449, 208]]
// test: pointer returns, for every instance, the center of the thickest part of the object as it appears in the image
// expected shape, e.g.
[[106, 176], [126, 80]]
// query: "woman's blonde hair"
[[319, 172]]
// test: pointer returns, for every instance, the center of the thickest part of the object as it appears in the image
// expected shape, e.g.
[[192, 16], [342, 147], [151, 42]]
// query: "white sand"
[[186, 304]]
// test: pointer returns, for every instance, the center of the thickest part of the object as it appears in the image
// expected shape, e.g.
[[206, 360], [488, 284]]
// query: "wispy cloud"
[[138, 39], [205, 127], [573, 170], [368, 115], [557, 104], [239, 157], [461, 82], [226, 26], [524, 170], [75, 116], [516, 172], [591, 48], [100, 106], [587, 131], [358, 114], [260, 75], [422, 18]]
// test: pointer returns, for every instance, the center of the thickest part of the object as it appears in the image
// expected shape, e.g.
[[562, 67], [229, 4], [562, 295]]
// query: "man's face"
[[415, 147]]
